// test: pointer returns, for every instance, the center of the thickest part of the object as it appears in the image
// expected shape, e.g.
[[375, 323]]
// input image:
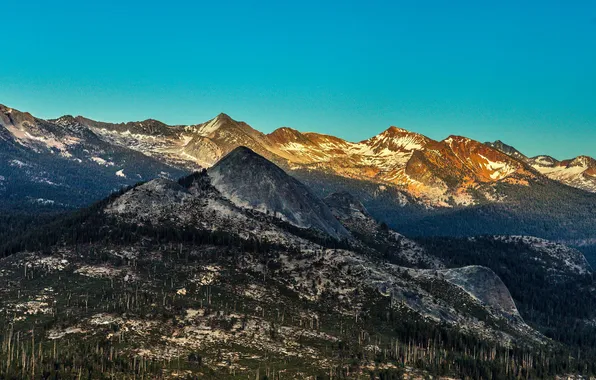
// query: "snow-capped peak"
[[454, 139], [396, 139], [544, 161], [395, 130], [583, 161]]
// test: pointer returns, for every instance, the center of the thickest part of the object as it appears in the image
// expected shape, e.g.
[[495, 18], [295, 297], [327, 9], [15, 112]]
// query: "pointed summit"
[[507, 149], [224, 117], [66, 118], [285, 135], [456, 139], [544, 161], [393, 130], [220, 121], [583, 161], [250, 180], [285, 131], [396, 139], [12, 116], [72, 125], [214, 124], [577, 172], [241, 153], [66, 121]]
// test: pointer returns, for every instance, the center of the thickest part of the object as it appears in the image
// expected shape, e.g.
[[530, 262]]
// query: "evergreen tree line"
[[558, 306]]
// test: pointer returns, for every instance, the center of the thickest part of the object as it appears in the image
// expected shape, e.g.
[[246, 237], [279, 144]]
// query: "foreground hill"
[[173, 278], [249, 180]]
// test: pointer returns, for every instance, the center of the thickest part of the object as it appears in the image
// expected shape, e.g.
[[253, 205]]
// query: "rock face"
[[507, 149], [351, 213], [435, 172], [250, 180], [458, 163], [484, 285], [228, 134]]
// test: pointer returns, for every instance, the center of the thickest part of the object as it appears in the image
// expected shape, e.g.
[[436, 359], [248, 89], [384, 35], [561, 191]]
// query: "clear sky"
[[520, 71]]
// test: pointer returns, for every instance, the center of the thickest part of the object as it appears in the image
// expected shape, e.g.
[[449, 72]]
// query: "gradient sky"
[[520, 71]]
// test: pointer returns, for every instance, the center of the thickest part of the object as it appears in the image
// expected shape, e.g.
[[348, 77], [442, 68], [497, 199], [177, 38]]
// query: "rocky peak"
[[222, 123], [507, 149], [224, 118], [65, 119], [583, 161], [150, 127], [68, 123], [396, 139], [286, 135], [250, 180], [453, 140], [395, 131], [483, 284], [11, 116], [544, 161], [473, 150]]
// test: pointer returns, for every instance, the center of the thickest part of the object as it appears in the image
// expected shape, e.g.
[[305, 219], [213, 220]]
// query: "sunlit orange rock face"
[[436, 170], [459, 160]]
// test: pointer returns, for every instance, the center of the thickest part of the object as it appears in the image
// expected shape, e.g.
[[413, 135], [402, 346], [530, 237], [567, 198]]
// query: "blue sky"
[[520, 71]]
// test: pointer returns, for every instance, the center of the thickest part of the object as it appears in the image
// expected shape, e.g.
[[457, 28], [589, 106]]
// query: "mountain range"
[[456, 171], [578, 172]]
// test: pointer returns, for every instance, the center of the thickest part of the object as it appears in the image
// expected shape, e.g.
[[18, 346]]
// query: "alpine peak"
[[395, 130], [285, 135], [223, 117], [456, 139], [584, 161]]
